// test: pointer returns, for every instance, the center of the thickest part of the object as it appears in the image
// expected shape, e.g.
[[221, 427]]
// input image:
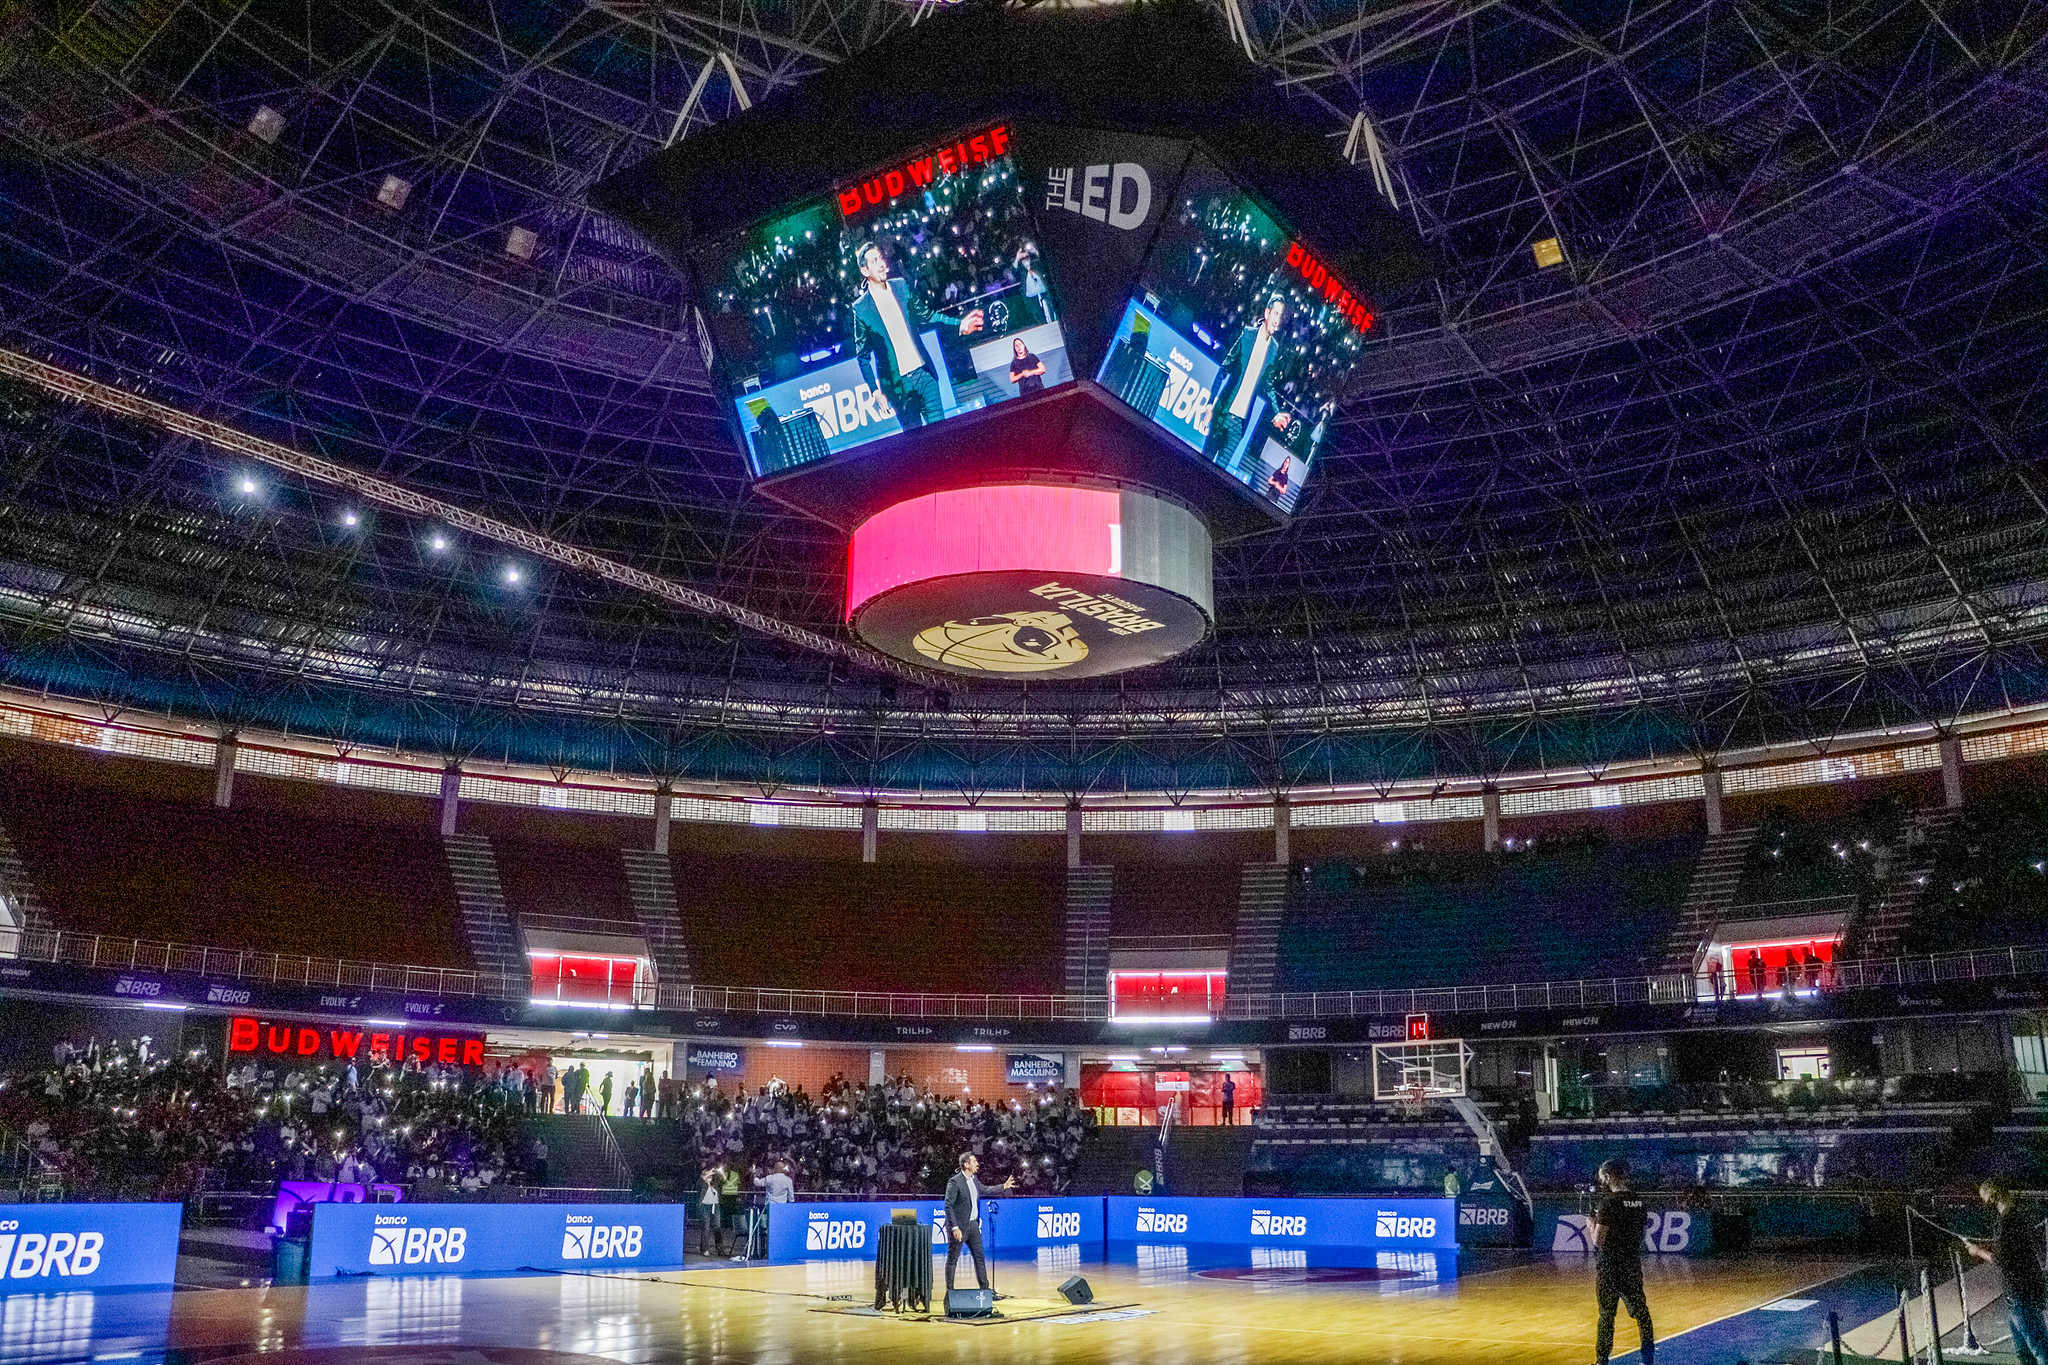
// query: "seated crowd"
[[118, 1119], [890, 1138]]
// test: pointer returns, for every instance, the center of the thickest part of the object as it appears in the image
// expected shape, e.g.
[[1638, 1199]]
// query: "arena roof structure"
[[330, 406]]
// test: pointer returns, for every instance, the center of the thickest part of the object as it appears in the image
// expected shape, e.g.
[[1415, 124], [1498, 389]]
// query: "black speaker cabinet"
[[1076, 1290], [970, 1303]]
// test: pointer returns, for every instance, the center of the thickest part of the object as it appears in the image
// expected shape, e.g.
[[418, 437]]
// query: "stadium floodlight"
[[247, 486], [512, 574], [438, 544], [266, 124], [351, 518]]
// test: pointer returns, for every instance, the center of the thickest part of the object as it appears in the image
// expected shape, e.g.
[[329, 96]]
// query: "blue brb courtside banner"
[[810, 1232], [492, 1239], [50, 1247], [1389, 1224], [1666, 1231]]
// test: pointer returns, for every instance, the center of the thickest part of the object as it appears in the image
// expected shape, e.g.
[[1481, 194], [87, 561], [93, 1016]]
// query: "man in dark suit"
[[1249, 382], [963, 1218], [889, 324]]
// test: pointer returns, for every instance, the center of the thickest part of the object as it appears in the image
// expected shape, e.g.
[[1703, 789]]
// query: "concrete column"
[[451, 797], [224, 769], [1489, 807], [1951, 748], [1072, 1077], [1282, 820], [878, 1066], [870, 830], [664, 811], [1710, 788], [1073, 834]]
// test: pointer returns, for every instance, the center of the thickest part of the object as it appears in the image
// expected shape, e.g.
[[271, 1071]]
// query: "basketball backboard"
[[1428, 1069]]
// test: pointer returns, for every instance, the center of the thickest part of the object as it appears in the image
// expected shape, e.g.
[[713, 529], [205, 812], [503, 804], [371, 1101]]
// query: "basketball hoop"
[[1413, 1099]]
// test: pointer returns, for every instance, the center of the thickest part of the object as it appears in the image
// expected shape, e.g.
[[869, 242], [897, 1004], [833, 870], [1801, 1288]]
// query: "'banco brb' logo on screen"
[[1051, 1224], [1150, 1220], [586, 1239], [826, 1233], [1388, 1223], [393, 1241]]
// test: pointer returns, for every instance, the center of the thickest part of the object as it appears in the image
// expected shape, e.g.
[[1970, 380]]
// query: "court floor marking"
[[1683, 1332]]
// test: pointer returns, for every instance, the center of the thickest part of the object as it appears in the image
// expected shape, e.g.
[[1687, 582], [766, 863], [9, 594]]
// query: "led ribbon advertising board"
[[812, 1232], [45, 1248], [1367, 1224], [493, 1239]]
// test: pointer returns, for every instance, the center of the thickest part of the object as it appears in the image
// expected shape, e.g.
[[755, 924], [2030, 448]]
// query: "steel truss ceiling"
[[1758, 462]]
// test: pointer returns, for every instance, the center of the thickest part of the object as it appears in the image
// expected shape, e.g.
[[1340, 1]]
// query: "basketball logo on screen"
[[1013, 642]]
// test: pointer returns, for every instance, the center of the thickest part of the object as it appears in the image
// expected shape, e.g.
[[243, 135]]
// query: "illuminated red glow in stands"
[[984, 530]]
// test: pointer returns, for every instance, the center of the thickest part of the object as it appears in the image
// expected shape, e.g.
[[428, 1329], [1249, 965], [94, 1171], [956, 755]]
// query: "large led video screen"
[[910, 296], [1238, 341]]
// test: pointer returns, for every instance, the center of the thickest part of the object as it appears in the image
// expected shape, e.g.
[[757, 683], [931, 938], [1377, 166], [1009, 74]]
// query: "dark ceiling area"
[[1759, 462]]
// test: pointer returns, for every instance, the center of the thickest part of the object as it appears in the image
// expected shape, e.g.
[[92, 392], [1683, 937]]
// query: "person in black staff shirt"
[[963, 1218], [1250, 374], [1027, 371], [1618, 1227], [2014, 1253], [889, 324]]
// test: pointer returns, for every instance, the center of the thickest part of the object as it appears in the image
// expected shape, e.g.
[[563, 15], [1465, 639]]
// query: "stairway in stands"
[[1208, 1161], [658, 1156], [486, 923], [1087, 937], [651, 884], [583, 1152], [1110, 1157], [1715, 878], [1879, 930], [1255, 947], [20, 888]]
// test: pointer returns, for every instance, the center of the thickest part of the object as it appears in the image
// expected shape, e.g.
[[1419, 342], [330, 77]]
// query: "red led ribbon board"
[[1030, 580], [364, 1043]]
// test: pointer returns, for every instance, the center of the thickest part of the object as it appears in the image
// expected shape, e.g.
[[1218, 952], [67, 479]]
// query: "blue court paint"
[[1762, 1334]]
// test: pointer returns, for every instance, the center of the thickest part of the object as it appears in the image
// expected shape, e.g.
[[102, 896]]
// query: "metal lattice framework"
[[1758, 462]]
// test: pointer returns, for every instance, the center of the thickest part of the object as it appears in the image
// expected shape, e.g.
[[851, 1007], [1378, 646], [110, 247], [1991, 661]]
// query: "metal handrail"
[[240, 964]]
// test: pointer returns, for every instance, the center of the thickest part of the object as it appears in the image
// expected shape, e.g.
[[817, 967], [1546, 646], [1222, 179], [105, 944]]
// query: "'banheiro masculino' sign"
[[45, 1248], [493, 1239]]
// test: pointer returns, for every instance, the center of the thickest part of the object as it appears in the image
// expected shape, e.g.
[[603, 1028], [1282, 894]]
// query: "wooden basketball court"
[[1509, 1308]]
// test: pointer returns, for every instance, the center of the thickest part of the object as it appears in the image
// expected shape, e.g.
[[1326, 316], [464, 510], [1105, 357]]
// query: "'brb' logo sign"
[[1266, 1224], [394, 1242], [1668, 1231], [27, 1255], [1119, 195], [826, 1233], [1482, 1216], [1150, 1220], [1387, 1223], [1052, 1224], [585, 1239]]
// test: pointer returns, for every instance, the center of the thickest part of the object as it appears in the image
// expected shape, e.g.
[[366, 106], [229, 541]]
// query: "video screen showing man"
[[889, 323], [1248, 383], [1234, 343], [901, 300]]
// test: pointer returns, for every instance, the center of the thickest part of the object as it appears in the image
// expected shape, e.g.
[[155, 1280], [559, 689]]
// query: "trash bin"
[[288, 1250]]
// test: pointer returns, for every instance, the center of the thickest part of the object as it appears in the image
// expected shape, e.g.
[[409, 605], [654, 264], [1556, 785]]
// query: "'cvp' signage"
[[49, 1247], [1376, 1224], [492, 1239]]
